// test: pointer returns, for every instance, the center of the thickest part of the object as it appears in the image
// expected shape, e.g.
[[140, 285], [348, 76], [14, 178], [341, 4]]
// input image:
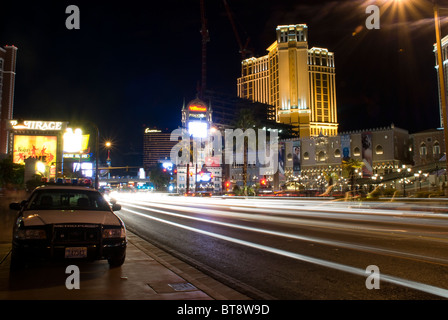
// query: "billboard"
[[197, 129], [367, 154], [42, 148], [345, 145], [296, 157], [281, 162]]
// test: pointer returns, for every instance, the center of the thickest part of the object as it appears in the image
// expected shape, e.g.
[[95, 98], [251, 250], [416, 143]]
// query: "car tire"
[[115, 262], [17, 261]]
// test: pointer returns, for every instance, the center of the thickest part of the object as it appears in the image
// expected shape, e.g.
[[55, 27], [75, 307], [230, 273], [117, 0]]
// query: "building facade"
[[429, 147], [156, 146], [203, 171], [297, 81], [8, 56], [310, 161]]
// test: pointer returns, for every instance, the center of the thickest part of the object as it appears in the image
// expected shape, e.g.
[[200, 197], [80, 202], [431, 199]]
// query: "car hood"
[[45, 217]]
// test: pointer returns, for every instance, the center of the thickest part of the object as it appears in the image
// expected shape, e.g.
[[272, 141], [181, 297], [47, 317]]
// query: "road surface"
[[301, 249]]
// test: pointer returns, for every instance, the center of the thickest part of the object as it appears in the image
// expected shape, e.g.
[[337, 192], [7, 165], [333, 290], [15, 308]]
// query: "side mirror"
[[116, 207], [15, 206]]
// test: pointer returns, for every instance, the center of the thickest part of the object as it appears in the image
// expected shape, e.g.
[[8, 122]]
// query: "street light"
[[108, 145], [405, 171], [441, 77]]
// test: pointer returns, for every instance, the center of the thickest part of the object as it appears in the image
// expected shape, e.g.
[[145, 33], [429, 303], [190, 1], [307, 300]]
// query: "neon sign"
[[197, 108], [40, 125]]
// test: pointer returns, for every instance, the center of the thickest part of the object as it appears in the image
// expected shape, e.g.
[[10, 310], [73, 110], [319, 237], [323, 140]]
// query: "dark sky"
[[132, 64]]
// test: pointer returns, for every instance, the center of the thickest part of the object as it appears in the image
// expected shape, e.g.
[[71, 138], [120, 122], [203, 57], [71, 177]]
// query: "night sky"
[[131, 65]]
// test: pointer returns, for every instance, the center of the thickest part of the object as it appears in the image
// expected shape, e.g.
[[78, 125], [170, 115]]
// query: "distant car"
[[67, 222]]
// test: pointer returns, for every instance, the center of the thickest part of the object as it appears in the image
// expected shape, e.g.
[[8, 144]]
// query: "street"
[[301, 249]]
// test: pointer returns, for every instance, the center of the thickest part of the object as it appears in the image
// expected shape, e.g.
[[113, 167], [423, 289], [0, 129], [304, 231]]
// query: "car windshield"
[[67, 200]]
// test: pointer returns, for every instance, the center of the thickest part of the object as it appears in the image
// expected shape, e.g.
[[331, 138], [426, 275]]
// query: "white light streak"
[[328, 264]]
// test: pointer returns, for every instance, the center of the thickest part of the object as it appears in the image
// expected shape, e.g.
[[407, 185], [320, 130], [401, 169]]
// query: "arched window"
[[436, 148], [321, 156], [356, 152], [306, 156], [337, 153], [379, 149], [423, 150]]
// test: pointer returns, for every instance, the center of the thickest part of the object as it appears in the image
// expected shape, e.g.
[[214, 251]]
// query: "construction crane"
[[243, 48], [205, 38]]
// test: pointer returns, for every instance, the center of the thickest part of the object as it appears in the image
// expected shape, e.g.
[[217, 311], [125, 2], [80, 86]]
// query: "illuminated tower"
[[298, 82], [8, 56]]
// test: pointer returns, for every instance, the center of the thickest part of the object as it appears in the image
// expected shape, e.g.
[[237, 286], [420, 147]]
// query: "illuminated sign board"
[[86, 168], [147, 130], [198, 129], [38, 147], [77, 156], [39, 125], [195, 108], [73, 140]]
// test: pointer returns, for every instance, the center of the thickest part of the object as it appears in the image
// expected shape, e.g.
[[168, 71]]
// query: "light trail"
[[296, 219], [334, 243], [328, 264]]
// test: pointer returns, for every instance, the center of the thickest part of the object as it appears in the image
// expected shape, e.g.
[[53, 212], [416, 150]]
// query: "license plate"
[[76, 252]]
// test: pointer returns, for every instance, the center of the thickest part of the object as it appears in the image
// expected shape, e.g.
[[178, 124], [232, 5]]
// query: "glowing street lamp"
[[108, 145], [441, 78]]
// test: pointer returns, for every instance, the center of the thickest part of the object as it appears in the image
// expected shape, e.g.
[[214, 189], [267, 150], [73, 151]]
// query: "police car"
[[67, 222]]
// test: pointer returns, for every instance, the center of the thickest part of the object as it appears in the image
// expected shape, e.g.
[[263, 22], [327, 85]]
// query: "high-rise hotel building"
[[299, 83], [8, 56]]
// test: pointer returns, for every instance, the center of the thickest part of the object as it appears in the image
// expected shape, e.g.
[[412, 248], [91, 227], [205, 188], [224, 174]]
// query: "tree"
[[349, 167], [245, 120], [11, 174], [159, 177]]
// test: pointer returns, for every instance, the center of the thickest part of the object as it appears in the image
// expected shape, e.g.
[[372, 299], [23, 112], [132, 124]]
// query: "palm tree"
[[245, 120], [330, 177], [350, 166]]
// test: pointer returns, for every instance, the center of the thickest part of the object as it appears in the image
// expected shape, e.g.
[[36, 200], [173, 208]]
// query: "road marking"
[[333, 265]]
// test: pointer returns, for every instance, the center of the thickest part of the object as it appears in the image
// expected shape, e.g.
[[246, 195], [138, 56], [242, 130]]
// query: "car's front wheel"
[[17, 261], [116, 261]]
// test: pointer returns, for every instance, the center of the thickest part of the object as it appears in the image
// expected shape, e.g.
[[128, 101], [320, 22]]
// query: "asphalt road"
[[300, 249]]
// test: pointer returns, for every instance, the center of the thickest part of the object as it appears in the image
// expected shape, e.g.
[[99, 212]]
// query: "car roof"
[[65, 187]]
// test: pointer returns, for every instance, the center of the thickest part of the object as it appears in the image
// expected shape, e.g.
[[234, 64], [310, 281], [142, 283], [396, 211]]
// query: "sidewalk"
[[147, 274]]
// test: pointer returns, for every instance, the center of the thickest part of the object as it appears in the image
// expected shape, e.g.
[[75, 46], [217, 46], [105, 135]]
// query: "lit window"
[[321, 156], [337, 153], [436, 148], [379, 149], [423, 150]]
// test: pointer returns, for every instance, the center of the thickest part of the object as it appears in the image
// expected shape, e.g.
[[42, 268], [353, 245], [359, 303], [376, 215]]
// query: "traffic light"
[[263, 182]]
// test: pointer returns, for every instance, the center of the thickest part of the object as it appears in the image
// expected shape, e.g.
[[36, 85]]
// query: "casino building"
[[40, 141], [8, 56], [203, 172], [297, 81]]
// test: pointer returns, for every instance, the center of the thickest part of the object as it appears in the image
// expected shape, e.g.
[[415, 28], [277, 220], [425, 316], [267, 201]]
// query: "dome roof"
[[197, 102]]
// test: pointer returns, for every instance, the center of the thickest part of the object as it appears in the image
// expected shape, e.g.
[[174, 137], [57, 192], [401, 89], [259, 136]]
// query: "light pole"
[[405, 170], [441, 78], [97, 153], [108, 145]]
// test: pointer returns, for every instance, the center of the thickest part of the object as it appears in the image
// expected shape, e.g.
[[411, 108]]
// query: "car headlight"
[[31, 234], [114, 233]]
